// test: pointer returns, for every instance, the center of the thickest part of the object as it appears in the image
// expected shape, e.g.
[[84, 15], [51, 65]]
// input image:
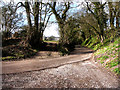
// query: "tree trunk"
[[28, 16], [36, 15], [117, 8], [111, 14], [28, 38]]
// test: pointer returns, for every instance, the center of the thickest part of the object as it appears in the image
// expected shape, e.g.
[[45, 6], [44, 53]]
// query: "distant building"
[[57, 38]]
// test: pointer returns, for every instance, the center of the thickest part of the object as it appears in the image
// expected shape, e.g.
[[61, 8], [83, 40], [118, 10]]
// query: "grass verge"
[[106, 53]]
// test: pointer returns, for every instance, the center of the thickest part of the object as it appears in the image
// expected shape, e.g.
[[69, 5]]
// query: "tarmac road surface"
[[77, 70]]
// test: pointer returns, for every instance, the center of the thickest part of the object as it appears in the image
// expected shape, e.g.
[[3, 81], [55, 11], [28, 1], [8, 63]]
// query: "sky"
[[51, 29]]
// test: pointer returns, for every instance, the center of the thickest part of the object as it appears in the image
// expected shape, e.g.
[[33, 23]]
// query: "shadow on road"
[[49, 46], [82, 50]]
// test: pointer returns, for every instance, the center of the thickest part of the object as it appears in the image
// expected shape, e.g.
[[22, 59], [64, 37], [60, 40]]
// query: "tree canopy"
[[93, 19]]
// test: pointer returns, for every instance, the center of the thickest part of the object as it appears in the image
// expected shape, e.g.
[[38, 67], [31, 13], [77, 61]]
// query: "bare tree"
[[10, 18], [100, 16], [114, 12], [60, 11], [40, 12]]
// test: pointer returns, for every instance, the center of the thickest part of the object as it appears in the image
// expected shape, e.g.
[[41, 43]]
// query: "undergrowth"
[[13, 50]]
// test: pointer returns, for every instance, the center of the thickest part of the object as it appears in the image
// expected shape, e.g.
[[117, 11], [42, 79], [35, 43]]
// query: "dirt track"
[[75, 71]]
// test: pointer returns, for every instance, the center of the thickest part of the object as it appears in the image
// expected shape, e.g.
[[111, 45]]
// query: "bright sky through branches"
[[52, 29]]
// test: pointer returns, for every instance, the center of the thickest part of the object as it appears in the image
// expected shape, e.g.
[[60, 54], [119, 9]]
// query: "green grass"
[[84, 43], [8, 57], [96, 47], [101, 62], [51, 41], [12, 57], [109, 50], [117, 71], [118, 46], [112, 63], [106, 51], [103, 58]]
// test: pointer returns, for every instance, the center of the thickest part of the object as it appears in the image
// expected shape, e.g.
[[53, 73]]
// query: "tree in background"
[[100, 15], [35, 11], [114, 14], [60, 11], [10, 19], [113, 19], [71, 32]]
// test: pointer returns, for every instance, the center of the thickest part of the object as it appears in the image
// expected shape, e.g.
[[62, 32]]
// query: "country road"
[[77, 70]]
